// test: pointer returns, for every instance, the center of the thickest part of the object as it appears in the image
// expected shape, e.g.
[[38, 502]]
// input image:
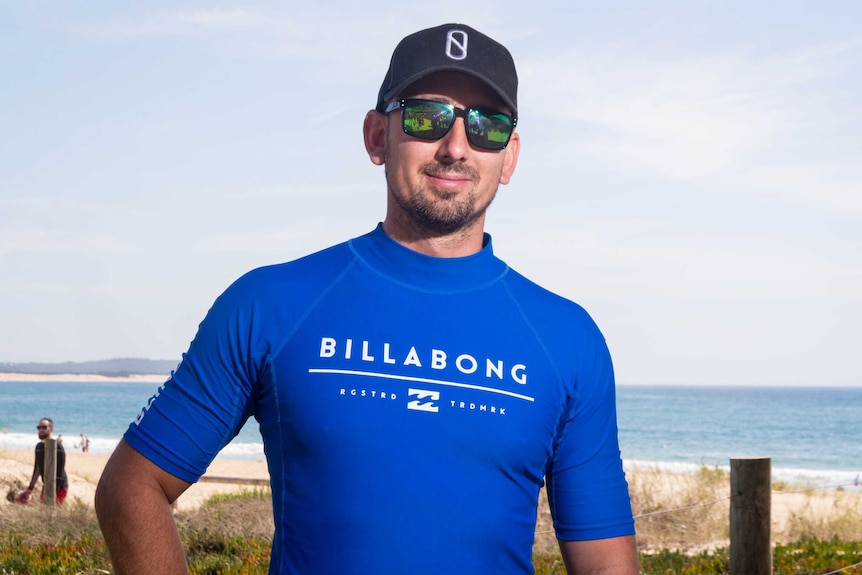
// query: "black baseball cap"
[[451, 47]]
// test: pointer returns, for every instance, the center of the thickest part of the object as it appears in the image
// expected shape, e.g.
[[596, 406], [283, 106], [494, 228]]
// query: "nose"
[[454, 145]]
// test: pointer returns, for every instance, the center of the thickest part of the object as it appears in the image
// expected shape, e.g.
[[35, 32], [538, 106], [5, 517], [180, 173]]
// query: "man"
[[44, 429], [85, 444], [412, 391]]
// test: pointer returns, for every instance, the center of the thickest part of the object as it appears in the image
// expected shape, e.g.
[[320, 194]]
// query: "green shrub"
[[230, 535]]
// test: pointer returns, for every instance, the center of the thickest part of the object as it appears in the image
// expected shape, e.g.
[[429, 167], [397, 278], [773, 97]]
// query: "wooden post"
[[750, 516], [49, 472]]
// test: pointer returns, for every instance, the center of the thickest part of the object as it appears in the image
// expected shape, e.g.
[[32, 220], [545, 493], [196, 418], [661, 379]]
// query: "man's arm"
[[613, 556], [33, 479], [61, 462], [37, 472], [133, 504]]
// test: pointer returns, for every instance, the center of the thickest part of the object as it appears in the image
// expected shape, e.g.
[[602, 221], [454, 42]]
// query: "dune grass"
[[681, 512], [682, 527]]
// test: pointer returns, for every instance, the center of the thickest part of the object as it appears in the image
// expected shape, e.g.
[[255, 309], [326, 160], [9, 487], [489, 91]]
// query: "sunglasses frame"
[[403, 103]]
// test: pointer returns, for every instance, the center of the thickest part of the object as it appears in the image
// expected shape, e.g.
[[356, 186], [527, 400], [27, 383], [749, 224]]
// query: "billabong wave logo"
[[424, 394], [456, 44]]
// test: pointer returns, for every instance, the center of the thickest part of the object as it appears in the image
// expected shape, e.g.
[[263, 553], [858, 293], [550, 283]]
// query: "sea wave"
[[787, 478], [246, 451], [26, 441], [29, 441]]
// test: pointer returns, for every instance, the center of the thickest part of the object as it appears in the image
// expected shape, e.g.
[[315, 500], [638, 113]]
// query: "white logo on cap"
[[456, 44]]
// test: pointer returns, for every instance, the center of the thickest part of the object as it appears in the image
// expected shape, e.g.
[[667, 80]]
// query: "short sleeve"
[[208, 398], [587, 490]]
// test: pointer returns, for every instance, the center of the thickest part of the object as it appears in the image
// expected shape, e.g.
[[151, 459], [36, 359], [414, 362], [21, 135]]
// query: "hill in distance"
[[119, 367]]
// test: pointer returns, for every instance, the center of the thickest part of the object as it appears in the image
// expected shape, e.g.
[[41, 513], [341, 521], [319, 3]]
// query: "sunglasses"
[[430, 120], [41, 427]]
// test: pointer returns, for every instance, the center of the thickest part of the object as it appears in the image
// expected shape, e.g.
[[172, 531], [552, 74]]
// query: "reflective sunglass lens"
[[430, 120], [427, 120], [488, 131]]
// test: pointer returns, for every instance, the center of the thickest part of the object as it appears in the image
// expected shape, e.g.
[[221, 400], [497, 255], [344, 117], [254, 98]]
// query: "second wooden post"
[[751, 516]]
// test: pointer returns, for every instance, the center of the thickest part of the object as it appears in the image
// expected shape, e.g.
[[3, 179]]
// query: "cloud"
[[642, 258], [326, 48], [182, 23], [834, 186], [32, 238], [678, 120], [220, 19], [697, 117]]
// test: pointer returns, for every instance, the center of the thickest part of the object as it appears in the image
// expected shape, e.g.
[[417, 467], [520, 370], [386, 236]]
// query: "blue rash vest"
[[411, 408]]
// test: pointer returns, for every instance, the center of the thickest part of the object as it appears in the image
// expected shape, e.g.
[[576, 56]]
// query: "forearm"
[[141, 534], [134, 512], [614, 556]]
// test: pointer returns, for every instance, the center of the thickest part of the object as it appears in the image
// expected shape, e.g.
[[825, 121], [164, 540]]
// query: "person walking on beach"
[[85, 444], [413, 392], [44, 430]]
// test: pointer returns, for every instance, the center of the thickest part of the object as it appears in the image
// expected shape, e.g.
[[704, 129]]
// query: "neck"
[[460, 243]]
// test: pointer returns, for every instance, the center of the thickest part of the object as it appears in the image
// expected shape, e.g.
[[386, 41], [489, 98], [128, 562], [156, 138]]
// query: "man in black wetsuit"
[[45, 428]]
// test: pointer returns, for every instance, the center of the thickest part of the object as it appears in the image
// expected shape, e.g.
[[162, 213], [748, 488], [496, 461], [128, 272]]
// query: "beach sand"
[[84, 470], [73, 377]]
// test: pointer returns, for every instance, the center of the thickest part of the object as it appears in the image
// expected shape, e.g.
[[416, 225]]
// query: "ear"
[[374, 132], [510, 158]]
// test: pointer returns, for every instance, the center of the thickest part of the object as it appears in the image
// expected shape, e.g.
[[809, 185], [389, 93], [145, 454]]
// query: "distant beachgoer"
[[45, 428], [85, 444]]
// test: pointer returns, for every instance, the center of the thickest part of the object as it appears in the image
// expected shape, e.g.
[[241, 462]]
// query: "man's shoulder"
[[531, 293], [318, 264], [291, 282], [323, 257], [555, 316]]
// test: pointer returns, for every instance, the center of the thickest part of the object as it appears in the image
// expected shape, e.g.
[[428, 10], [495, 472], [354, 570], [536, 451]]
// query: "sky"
[[690, 171]]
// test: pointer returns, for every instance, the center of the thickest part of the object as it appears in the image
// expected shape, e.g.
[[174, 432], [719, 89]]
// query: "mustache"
[[438, 169]]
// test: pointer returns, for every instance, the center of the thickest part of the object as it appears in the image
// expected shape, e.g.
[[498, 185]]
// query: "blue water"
[[101, 410], [813, 435]]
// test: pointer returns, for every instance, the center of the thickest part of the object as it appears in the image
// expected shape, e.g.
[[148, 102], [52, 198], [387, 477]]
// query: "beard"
[[436, 211]]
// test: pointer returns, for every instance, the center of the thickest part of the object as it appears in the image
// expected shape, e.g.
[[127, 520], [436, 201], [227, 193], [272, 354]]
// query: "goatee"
[[436, 211]]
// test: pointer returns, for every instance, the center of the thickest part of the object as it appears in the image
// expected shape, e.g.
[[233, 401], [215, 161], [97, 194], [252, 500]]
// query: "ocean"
[[812, 434]]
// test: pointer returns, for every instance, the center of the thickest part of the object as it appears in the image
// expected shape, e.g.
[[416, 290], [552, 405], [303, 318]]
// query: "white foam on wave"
[[27, 441], [102, 445], [817, 479], [234, 450], [825, 480], [18, 440], [681, 467]]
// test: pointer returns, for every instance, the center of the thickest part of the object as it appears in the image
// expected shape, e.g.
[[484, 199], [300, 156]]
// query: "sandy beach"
[[664, 493], [84, 377], [84, 470]]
